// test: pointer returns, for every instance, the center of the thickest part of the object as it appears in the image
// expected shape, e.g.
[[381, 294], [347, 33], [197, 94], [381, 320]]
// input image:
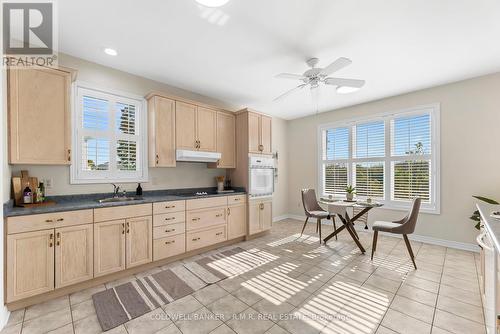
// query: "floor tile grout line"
[[480, 294], [439, 289]]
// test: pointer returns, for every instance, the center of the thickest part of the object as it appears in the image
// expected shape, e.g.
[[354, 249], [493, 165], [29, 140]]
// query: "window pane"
[[126, 155], [411, 179], [95, 154], [335, 178], [95, 113], [370, 140], [411, 135], [370, 179], [337, 143], [125, 118]]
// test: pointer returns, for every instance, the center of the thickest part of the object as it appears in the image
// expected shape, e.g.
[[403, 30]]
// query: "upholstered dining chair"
[[312, 209], [404, 226]]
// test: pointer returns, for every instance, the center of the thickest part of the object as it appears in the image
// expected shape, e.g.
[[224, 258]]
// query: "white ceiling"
[[233, 53]]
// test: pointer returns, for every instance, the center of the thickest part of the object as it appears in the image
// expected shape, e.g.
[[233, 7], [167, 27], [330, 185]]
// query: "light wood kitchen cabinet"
[[109, 247], [139, 241], [259, 133], [196, 127], [226, 140], [162, 132], [259, 216], [39, 116], [236, 221], [206, 128], [30, 264], [185, 122], [74, 254]]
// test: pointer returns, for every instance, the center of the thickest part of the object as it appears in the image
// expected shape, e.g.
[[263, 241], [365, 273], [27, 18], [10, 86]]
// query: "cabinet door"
[[185, 125], [266, 215], [266, 134], [30, 264], [39, 116], [74, 254], [162, 132], [226, 140], [253, 132], [236, 221], [109, 247], [139, 241], [206, 120], [254, 218]]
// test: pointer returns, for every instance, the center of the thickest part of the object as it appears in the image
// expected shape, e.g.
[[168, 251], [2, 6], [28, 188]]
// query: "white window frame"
[[433, 110], [77, 175]]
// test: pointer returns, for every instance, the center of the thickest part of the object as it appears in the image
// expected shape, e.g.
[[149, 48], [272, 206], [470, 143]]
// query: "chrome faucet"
[[116, 189]]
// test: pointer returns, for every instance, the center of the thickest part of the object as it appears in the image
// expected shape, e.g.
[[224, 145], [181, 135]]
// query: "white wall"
[[470, 152], [280, 145]]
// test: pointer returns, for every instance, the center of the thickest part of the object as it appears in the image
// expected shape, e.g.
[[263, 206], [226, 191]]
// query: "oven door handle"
[[481, 243]]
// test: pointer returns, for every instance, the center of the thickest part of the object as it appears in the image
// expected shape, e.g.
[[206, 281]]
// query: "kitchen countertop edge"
[[491, 224], [12, 211]]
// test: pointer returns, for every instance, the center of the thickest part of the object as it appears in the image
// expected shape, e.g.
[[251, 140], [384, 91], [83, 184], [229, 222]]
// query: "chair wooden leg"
[[319, 228], [303, 228], [374, 243], [408, 246], [335, 228]]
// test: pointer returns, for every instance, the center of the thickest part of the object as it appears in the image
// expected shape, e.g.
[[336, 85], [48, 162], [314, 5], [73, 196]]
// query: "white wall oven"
[[261, 176]]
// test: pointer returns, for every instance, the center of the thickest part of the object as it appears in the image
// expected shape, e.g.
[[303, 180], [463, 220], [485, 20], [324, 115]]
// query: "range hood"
[[197, 156]]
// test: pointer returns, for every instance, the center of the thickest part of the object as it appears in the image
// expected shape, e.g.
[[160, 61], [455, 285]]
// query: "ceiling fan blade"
[[345, 82], [336, 65], [282, 96], [290, 76]]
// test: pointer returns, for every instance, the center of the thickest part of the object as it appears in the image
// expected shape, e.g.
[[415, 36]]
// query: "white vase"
[[349, 196], [220, 186]]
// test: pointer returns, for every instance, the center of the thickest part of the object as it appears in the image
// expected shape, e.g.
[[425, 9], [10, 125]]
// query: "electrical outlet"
[[47, 183]]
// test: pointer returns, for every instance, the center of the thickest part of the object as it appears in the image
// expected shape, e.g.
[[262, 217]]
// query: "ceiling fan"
[[315, 75]]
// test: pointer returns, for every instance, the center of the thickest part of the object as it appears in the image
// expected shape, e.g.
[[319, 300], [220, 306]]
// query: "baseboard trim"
[[415, 237]]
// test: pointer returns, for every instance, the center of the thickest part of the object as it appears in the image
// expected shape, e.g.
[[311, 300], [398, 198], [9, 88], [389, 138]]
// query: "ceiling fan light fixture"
[[110, 52], [346, 89], [212, 3]]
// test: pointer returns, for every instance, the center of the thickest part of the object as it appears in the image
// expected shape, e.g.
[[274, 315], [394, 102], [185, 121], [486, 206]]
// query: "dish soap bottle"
[[138, 191], [27, 199]]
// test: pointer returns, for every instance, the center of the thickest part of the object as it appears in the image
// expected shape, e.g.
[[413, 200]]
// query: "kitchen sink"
[[119, 199]]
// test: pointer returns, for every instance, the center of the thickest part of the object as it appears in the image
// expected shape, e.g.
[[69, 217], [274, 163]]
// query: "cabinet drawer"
[[236, 199], [205, 218], [202, 203], [169, 246], [48, 221], [168, 230], [199, 239], [169, 218], [168, 207], [122, 212]]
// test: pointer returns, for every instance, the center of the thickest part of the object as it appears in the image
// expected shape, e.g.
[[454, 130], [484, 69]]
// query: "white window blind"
[[110, 138], [392, 157]]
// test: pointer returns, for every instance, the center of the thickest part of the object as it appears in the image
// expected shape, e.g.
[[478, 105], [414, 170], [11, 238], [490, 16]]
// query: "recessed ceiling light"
[[110, 52], [346, 90], [212, 3]]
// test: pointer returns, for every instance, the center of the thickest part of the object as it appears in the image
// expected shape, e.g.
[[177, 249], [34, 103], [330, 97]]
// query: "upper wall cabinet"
[[226, 140], [196, 127], [40, 116], [259, 133], [161, 119]]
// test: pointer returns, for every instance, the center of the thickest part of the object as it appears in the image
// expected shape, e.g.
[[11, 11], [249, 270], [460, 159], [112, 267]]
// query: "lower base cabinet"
[[30, 264], [199, 239], [74, 250], [260, 216], [169, 246], [236, 221], [121, 244]]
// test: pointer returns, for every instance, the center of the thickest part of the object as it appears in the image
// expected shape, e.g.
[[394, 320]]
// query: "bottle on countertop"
[[138, 191], [41, 186], [27, 195]]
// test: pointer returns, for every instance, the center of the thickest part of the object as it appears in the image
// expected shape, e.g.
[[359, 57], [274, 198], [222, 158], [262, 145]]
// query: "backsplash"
[[185, 175]]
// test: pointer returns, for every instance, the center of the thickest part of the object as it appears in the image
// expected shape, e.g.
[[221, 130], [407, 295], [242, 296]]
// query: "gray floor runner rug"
[[122, 303]]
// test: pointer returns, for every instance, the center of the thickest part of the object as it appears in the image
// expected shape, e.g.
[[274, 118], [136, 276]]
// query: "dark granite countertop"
[[91, 201], [491, 224]]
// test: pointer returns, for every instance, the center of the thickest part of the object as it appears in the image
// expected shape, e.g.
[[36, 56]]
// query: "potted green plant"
[[475, 215], [349, 192]]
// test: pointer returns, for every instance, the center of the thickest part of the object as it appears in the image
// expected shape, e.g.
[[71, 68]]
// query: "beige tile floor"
[[304, 288]]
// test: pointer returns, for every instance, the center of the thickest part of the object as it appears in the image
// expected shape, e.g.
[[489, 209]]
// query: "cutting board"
[[21, 182]]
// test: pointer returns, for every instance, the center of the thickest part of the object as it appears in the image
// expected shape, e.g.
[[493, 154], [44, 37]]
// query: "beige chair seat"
[[319, 214], [385, 226], [312, 209]]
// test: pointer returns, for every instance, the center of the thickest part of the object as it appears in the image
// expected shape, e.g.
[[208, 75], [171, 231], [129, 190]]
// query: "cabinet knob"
[[169, 206], [195, 239], [60, 219], [157, 159], [169, 242], [171, 230], [170, 218], [195, 219], [58, 239], [123, 228], [69, 154], [228, 211], [49, 220], [219, 215], [128, 227], [218, 233], [51, 240]]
